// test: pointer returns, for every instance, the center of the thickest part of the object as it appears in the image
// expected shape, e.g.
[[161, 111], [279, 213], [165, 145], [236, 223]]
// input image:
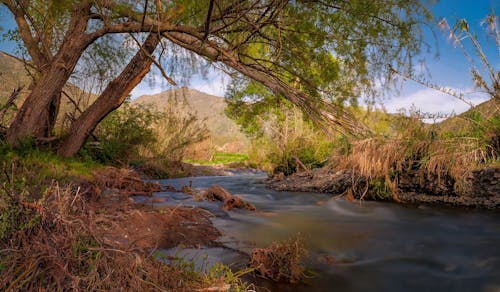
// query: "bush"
[[122, 133], [289, 144], [175, 130], [136, 133]]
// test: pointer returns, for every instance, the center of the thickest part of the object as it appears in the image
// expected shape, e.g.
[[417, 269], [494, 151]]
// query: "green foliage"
[[287, 143], [221, 273], [217, 277], [379, 189], [122, 133], [331, 50], [13, 217], [222, 158], [28, 167], [342, 145]]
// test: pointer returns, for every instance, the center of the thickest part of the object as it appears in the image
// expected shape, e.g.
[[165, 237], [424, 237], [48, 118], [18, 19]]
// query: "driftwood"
[[218, 193]]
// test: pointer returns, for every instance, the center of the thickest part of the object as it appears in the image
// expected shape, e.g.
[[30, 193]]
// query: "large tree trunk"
[[48, 118], [42, 103], [111, 98]]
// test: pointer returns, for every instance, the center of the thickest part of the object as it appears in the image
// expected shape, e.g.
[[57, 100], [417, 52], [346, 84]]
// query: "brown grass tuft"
[[282, 261], [386, 159]]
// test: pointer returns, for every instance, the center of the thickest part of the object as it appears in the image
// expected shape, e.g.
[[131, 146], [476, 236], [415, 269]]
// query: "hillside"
[[225, 134], [13, 74], [487, 110]]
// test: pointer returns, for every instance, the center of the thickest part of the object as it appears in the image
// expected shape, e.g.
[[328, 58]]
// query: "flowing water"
[[368, 246]]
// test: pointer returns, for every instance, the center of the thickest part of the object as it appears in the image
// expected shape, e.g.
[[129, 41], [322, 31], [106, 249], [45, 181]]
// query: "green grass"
[[27, 168], [222, 158]]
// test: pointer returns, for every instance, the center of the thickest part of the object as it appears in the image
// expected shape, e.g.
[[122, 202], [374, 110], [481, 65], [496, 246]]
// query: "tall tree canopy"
[[313, 53]]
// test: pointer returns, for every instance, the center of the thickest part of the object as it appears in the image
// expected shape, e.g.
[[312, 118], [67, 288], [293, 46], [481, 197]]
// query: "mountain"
[[225, 133]]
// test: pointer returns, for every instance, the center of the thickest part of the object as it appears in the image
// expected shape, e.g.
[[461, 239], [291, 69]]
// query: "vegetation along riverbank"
[[83, 134]]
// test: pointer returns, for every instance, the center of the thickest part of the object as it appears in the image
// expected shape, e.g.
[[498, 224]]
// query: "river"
[[374, 246]]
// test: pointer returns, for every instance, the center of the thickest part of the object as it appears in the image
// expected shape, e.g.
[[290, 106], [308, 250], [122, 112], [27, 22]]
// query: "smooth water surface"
[[368, 246]]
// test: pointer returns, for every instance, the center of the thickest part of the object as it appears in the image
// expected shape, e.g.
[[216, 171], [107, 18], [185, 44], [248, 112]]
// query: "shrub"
[[282, 261], [122, 133], [289, 144]]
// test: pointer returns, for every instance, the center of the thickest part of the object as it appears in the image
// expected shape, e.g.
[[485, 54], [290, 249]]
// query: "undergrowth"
[[431, 152], [50, 240]]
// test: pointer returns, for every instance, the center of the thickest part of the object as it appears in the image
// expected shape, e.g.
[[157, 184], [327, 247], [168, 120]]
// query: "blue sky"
[[449, 69]]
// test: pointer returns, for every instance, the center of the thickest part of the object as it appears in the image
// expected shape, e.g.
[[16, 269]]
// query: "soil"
[[484, 191], [122, 223], [218, 193]]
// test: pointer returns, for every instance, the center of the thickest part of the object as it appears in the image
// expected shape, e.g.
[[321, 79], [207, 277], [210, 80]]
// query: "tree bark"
[[111, 98], [39, 51], [31, 120]]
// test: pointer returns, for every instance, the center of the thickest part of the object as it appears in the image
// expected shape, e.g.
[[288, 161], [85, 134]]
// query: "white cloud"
[[213, 87], [146, 89], [432, 101], [214, 83]]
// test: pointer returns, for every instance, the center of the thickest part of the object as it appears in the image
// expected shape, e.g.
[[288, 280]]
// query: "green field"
[[222, 158]]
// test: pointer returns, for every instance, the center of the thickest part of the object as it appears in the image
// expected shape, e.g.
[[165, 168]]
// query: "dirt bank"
[[122, 222], [90, 235], [483, 187]]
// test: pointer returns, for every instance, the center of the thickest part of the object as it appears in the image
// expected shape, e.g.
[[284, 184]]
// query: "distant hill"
[[225, 133], [14, 74], [461, 122]]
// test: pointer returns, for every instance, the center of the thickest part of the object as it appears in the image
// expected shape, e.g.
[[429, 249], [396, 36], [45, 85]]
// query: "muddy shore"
[[483, 190]]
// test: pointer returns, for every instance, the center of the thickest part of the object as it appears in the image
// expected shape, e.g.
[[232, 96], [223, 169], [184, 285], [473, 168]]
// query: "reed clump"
[[282, 261], [424, 150]]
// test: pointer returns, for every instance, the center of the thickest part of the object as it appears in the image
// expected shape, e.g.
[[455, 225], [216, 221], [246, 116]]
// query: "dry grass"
[[282, 261], [62, 252], [433, 158], [77, 238]]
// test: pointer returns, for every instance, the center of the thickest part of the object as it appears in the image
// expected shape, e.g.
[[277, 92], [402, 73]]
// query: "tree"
[[111, 98], [296, 49]]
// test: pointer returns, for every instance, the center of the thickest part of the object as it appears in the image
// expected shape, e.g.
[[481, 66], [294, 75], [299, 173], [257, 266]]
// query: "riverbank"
[[483, 187], [74, 225], [176, 169]]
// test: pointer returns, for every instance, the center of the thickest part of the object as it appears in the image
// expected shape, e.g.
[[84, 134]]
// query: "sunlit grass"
[[222, 158]]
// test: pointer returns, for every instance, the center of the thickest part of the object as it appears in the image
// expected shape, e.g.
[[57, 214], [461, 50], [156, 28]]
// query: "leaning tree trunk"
[[111, 98], [31, 120]]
